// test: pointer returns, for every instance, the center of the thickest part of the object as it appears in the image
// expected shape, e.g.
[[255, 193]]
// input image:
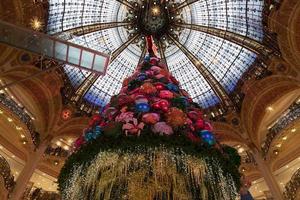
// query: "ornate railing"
[[5, 172], [247, 158], [59, 151], [40, 194], [292, 187], [22, 115], [291, 115]]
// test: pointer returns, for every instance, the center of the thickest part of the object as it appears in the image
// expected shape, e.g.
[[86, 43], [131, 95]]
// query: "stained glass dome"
[[224, 58]]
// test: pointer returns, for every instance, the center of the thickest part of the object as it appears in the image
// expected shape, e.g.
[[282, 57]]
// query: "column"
[[28, 170], [268, 175]]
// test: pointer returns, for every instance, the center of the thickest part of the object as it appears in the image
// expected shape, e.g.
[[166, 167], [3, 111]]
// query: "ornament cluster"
[[150, 101]]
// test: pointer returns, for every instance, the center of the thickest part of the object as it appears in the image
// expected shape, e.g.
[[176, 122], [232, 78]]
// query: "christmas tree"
[[150, 142]]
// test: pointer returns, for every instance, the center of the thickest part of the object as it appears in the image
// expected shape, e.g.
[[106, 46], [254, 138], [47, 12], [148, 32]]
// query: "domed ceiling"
[[223, 59]]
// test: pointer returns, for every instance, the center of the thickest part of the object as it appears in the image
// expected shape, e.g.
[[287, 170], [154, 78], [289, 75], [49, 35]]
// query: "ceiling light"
[[22, 136], [58, 143], [276, 152], [1, 147], [18, 128], [270, 108], [284, 138], [13, 156], [55, 163], [66, 148], [1, 112], [293, 130], [24, 142], [9, 119], [36, 24], [278, 145], [241, 150]]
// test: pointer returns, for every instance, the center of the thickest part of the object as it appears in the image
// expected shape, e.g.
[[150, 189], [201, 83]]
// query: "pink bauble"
[[156, 69], [208, 126], [162, 128], [166, 94], [151, 118]]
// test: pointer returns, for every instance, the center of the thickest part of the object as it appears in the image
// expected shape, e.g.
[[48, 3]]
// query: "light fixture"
[[278, 145], [276, 152], [58, 143], [155, 11], [56, 163], [9, 119], [66, 148], [241, 150], [269, 108], [293, 130], [284, 138], [1, 112], [24, 142], [13, 156], [22, 136], [18, 128], [36, 24], [1, 147]]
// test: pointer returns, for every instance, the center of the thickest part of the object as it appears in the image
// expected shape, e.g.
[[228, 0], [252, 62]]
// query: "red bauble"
[[199, 124], [193, 138], [159, 86], [166, 94]]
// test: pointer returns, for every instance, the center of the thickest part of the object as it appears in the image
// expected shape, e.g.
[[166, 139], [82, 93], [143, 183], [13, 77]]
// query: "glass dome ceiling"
[[224, 59]]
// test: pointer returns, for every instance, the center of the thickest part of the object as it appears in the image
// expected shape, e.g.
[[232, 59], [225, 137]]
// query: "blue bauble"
[[89, 136], [142, 107], [142, 77], [172, 87], [97, 132], [207, 137], [147, 58], [184, 100]]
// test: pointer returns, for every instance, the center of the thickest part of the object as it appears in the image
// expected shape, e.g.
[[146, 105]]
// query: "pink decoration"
[[156, 69], [151, 118], [208, 126], [125, 117], [140, 99], [162, 128], [133, 128], [166, 94], [80, 141], [149, 73]]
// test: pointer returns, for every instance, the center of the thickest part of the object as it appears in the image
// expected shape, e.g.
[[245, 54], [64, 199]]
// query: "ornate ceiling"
[[225, 60]]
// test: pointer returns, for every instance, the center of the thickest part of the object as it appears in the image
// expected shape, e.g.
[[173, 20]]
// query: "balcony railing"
[[5, 172], [292, 187], [22, 115], [291, 115]]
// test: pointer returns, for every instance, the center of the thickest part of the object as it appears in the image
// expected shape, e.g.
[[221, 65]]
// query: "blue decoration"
[[97, 131], [142, 77], [88, 136], [207, 137], [172, 87], [142, 107], [184, 100], [147, 58]]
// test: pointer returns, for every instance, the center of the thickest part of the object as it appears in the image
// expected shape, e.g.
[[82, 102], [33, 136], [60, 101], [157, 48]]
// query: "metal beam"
[[211, 80], [143, 54], [244, 41], [92, 78], [79, 31], [185, 4], [162, 53], [126, 3]]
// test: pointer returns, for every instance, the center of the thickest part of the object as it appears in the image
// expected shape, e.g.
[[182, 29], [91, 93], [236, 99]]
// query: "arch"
[[259, 96]]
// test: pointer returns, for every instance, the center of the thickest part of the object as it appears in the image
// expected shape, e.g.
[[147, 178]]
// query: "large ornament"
[[162, 128], [207, 137], [142, 107], [133, 127], [166, 94], [148, 88], [151, 118], [176, 117]]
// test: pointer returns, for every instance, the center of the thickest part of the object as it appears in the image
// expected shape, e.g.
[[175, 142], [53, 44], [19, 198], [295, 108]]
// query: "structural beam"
[[185, 4], [143, 54], [126, 3], [246, 42], [211, 80], [92, 78], [162, 54], [79, 31]]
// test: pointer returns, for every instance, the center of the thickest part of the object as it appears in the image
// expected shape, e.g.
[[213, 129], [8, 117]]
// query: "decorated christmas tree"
[[150, 142]]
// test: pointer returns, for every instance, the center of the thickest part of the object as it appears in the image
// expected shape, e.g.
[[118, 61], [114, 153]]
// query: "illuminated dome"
[[216, 33]]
